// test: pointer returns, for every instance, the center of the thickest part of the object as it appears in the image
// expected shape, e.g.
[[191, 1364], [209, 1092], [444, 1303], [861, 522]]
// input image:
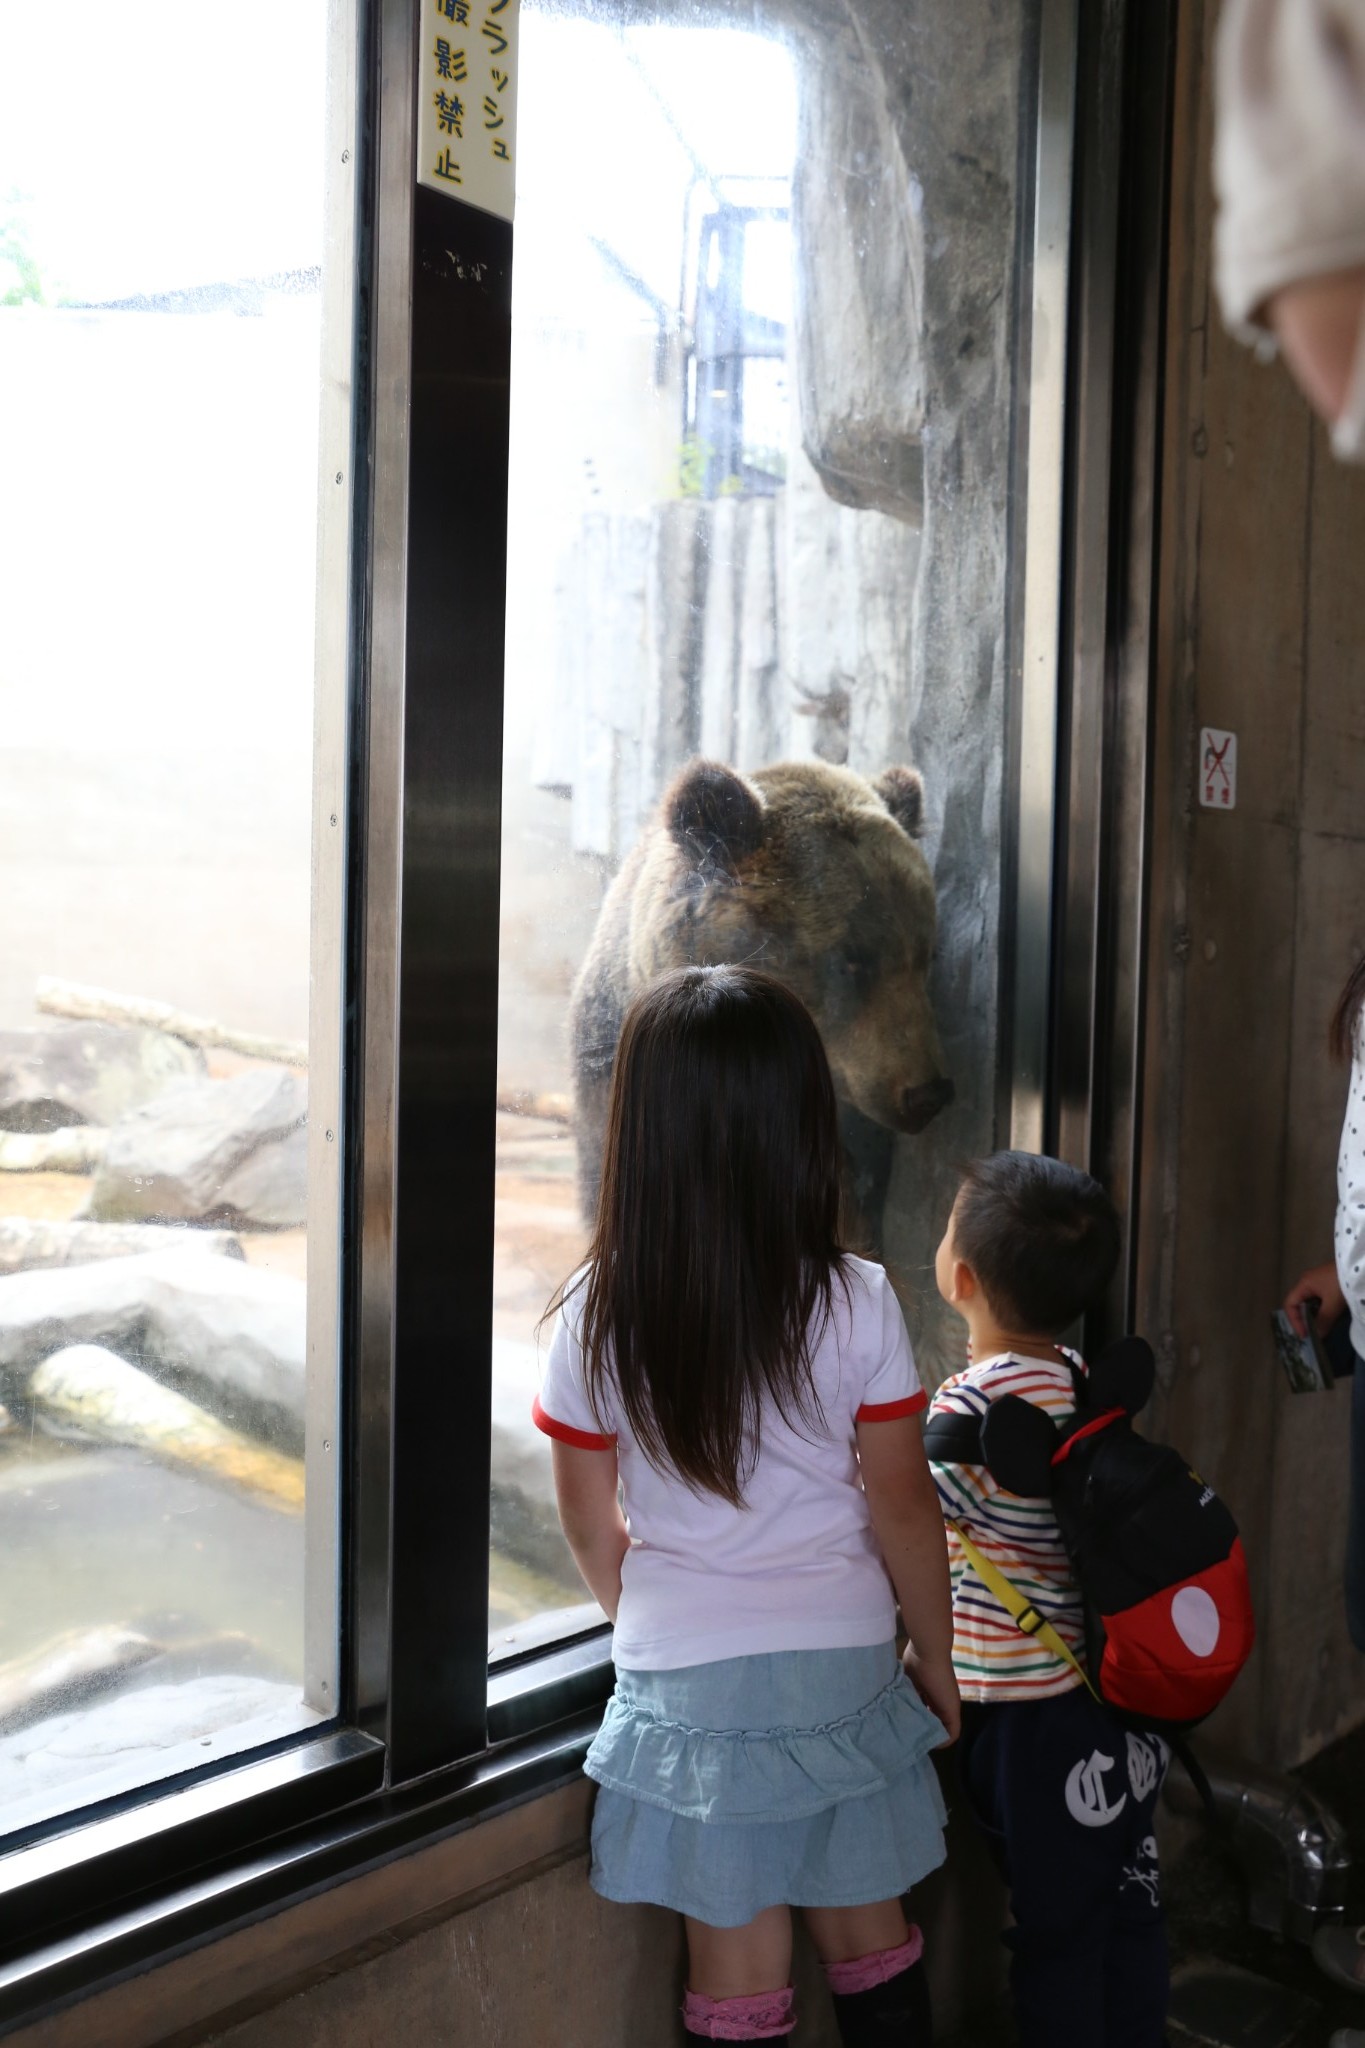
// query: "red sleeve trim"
[[581, 1439], [892, 1411]]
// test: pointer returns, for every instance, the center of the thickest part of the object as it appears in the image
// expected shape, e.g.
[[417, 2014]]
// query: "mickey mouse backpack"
[[1163, 1577]]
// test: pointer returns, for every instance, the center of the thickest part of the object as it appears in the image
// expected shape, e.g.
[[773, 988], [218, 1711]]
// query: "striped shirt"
[[992, 1658]]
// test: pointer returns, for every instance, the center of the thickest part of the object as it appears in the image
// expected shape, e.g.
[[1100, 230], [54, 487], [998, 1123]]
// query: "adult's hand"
[[1317, 322], [1320, 1284]]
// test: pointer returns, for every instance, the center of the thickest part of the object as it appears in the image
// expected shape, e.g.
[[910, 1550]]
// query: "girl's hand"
[[1319, 1284], [935, 1682]]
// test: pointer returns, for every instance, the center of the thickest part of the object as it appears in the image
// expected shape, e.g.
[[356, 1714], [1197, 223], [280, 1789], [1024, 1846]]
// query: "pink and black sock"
[[882, 2000], [764, 2017]]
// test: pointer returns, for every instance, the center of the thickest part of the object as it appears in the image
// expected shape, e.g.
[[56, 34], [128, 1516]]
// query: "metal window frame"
[[1106, 671], [427, 1743]]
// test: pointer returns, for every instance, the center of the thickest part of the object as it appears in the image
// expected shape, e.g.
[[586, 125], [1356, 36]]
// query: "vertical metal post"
[[327, 1133], [1043, 542], [378, 797]]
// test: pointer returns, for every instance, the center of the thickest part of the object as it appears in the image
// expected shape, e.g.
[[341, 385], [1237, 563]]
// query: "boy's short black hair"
[[1041, 1238]]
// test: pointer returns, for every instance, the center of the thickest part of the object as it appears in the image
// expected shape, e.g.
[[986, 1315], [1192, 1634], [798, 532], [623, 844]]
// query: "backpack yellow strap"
[[1024, 1614]]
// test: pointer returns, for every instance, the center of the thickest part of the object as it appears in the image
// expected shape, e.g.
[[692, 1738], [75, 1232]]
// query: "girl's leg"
[[843, 1933], [739, 1979], [876, 1975]]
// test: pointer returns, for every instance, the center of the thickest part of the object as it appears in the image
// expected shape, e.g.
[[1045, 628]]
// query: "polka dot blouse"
[[1350, 1237]]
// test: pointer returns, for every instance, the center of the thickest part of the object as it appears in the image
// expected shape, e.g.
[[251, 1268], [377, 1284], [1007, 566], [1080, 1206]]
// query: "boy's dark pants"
[[1067, 1798]]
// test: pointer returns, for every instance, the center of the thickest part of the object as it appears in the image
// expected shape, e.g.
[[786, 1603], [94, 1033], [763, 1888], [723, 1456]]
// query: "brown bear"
[[814, 873]]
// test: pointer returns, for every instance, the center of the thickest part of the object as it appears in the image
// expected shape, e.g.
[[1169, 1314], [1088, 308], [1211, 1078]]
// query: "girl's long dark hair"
[[1341, 1035], [716, 1247]]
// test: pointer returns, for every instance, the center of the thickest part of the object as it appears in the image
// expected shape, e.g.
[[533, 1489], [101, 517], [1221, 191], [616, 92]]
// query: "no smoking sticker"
[[1217, 769]]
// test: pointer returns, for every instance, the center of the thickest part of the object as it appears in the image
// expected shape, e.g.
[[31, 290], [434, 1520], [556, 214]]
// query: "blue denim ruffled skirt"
[[800, 1778]]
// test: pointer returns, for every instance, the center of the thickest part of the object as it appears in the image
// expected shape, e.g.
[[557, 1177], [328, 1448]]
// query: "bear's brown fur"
[[811, 872]]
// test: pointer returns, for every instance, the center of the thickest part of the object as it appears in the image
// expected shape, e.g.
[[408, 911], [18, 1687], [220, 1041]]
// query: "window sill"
[[105, 1902]]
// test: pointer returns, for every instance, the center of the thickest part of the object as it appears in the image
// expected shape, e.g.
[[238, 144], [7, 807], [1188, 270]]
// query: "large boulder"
[[65, 1074], [226, 1334], [223, 1151]]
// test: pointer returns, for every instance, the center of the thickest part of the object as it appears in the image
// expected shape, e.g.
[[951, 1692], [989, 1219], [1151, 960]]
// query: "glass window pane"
[[160, 333], [764, 400]]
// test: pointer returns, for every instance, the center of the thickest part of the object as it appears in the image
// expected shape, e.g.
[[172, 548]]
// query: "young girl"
[[737, 1373]]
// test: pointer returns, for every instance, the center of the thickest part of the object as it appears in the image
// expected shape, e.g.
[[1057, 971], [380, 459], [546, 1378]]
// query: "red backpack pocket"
[[1173, 1656]]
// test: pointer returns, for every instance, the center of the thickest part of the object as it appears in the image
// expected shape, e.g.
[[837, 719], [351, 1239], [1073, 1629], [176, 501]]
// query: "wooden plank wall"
[[1256, 917]]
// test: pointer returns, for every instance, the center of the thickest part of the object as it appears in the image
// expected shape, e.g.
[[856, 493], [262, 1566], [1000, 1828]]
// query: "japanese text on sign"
[[1217, 769], [467, 112]]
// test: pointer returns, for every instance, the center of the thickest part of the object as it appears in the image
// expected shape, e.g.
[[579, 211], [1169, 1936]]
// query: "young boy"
[[1065, 1794]]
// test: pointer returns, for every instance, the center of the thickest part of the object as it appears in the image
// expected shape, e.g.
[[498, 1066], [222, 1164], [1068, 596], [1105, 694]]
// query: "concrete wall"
[[490, 1939], [1256, 917]]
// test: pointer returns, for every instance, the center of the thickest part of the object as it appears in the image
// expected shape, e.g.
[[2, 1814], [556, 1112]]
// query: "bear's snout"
[[919, 1106]]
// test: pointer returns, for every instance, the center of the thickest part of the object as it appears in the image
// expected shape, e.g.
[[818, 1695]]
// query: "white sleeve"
[[562, 1408], [1289, 153], [1350, 1230], [892, 1387]]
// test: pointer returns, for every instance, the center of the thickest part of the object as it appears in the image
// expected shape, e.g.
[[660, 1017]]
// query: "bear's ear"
[[902, 791], [715, 816]]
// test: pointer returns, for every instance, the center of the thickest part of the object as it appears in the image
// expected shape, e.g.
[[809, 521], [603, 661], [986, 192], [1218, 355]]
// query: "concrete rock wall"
[[861, 614]]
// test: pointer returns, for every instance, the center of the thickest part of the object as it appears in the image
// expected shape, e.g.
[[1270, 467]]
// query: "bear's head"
[[815, 874]]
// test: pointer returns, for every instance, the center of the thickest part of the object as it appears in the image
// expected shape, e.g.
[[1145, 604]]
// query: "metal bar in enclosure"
[[328, 964], [457, 457], [1043, 552], [377, 796]]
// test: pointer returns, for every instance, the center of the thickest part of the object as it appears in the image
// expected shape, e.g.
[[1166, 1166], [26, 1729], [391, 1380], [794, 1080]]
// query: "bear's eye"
[[855, 964]]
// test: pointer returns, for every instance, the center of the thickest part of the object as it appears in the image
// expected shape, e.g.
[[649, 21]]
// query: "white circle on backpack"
[[1197, 1621]]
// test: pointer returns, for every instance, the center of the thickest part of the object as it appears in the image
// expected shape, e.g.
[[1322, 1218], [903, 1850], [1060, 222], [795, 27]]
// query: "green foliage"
[[21, 277], [693, 456]]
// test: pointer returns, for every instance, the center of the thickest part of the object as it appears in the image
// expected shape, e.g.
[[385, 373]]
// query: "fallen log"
[[71, 1670], [104, 1397], [228, 1335], [74, 999], [26, 1244], [552, 1108], [78, 1149], [56, 998]]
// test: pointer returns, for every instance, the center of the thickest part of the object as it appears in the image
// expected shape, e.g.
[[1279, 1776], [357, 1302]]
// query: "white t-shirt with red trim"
[[798, 1567]]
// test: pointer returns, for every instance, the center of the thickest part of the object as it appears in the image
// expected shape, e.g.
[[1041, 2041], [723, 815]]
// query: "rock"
[[525, 1517], [102, 1396], [857, 237], [86, 1073], [182, 1158], [27, 1243], [132, 1739], [226, 1334], [270, 1187]]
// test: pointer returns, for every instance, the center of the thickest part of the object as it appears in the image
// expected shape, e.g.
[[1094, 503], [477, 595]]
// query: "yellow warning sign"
[[467, 102]]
